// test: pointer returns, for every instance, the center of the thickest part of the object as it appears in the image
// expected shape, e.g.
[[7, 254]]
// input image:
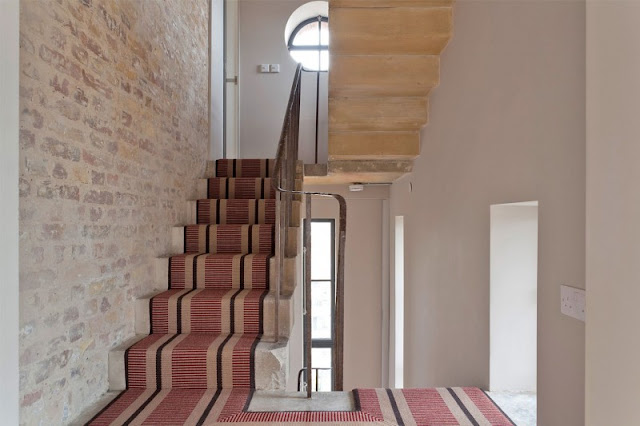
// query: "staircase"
[[385, 59], [213, 329]]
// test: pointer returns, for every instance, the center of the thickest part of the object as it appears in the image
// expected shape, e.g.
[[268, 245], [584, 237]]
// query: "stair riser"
[[143, 319], [271, 365], [390, 31], [383, 75], [377, 114], [192, 214], [261, 242], [290, 273], [240, 188], [250, 215], [244, 168]]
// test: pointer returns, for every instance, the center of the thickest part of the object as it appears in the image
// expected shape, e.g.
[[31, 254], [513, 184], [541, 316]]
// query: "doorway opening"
[[514, 308]]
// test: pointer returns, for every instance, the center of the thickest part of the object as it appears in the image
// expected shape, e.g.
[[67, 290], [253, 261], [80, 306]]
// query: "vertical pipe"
[[279, 266], [318, 85], [307, 291], [338, 325]]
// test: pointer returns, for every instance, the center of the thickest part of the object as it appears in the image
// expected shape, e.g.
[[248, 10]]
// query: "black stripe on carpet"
[[462, 406]]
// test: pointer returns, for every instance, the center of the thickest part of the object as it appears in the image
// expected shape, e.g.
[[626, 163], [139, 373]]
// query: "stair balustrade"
[[287, 169]]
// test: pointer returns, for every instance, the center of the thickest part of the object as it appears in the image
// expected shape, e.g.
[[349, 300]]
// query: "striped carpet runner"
[[197, 367], [206, 326]]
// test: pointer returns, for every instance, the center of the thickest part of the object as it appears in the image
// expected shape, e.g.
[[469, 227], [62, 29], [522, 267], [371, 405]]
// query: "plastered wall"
[[506, 124]]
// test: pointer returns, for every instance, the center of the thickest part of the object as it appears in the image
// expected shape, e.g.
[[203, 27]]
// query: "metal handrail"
[[284, 178], [317, 370]]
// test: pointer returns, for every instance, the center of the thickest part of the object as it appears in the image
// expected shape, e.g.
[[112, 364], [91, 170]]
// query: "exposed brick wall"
[[114, 132]]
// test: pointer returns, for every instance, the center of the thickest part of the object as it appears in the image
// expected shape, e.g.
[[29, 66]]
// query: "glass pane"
[[309, 59], [321, 310], [321, 244], [321, 359], [324, 33], [324, 60], [307, 36], [323, 379]]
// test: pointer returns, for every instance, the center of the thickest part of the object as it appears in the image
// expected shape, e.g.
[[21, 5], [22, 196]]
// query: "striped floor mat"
[[435, 406]]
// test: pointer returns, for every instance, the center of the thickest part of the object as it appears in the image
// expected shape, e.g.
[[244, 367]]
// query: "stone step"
[[192, 212], [374, 145], [407, 114], [383, 75], [373, 171], [197, 238], [390, 31], [240, 188], [285, 307], [210, 169], [271, 364], [290, 272], [391, 3]]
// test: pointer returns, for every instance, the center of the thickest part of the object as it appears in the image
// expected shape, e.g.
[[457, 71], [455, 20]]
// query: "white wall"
[[506, 124], [263, 97], [9, 22], [363, 279], [513, 297], [613, 213]]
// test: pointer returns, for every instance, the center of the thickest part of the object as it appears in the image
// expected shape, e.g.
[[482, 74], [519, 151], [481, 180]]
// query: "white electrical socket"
[[573, 302], [263, 68], [274, 68]]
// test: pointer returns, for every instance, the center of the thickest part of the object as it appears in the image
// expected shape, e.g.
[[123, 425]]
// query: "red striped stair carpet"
[[197, 365], [206, 326]]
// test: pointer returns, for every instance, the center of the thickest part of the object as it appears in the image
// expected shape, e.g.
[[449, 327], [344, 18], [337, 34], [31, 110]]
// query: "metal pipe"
[[307, 291]]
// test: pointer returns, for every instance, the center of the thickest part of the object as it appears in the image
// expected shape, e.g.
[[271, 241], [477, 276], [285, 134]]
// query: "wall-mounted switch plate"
[[274, 68], [573, 302], [263, 68]]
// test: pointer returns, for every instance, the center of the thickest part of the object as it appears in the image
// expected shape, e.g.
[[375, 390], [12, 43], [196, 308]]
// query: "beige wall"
[[613, 212], [506, 124], [9, 394], [263, 97], [363, 280], [114, 132]]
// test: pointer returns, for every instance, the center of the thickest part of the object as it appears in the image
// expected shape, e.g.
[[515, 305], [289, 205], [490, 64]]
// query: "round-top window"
[[307, 36]]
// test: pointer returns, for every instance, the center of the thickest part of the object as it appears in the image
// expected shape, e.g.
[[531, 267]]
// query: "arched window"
[[308, 44]]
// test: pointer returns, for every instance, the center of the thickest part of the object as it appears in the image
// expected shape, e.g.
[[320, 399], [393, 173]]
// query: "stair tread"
[[246, 167], [219, 270], [224, 211], [233, 238], [208, 311], [240, 188], [192, 361]]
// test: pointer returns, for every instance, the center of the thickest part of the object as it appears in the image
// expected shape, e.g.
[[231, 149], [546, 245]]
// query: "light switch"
[[573, 302], [274, 68], [263, 68]]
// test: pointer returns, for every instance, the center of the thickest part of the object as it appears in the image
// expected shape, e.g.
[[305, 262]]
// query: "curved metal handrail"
[[285, 173]]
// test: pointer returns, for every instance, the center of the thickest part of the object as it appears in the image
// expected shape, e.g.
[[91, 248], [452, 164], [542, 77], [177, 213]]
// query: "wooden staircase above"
[[385, 59]]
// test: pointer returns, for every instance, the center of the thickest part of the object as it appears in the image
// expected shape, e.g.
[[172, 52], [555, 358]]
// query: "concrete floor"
[[519, 406], [297, 401]]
